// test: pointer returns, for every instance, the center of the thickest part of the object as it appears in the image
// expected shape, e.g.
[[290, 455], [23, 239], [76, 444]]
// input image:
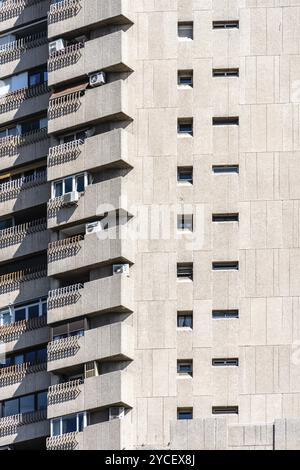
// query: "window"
[[185, 222], [225, 168], [75, 328], [35, 356], [225, 217], [25, 404], [31, 126], [8, 131], [225, 410], [226, 362], [185, 127], [185, 271], [225, 72], [225, 265], [225, 24], [68, 424], [184, 413], [184, 319], [224, 314], [225, 121], [185, 367], [185, 78], [15, 313], [79, 135], [185, 175], [69, 184], [37, 78], [6, 223], [185, 31]]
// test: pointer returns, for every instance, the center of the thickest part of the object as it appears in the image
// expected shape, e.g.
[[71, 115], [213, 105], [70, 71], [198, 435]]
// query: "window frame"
[[185, 26], [60, 419], [87, 182], [13, 308]]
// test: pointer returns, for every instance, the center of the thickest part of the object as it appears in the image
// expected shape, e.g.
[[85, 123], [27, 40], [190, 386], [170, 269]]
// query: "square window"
[[184, 413], [185, 271], [185, 222], [185, 367], [20, 314], [185, 175], [185, 78], [185, 127], [184, 320], [186, 31]]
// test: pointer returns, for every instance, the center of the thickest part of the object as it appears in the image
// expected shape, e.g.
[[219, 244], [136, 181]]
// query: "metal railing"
[[9, 144], [64, 296], [12, 281], [63, 10], [13, 235], [13, 50], [11, 189], [65, 104], [62, 348], [64, 392], [13, 331], [65, 152], [9, 425], [14, 374], [64, 248], [12, 101], [65, 57], [64, 442], [12, 8]]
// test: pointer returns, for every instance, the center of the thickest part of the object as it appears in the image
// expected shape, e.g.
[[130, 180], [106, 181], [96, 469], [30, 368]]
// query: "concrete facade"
[[198, 116]]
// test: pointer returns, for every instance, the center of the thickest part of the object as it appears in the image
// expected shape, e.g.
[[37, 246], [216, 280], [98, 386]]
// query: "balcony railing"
[[13, 331], [63, 348], [64, 442], [63, 10], [16, 373], [67, 391], [12, 8], [12, 101], [10, 144], [14, 235], [13, 50], [11, 189], [65, 152], [64, 296], [12, 281], [66, 104], [66, 57], [64, 248], [9, 425]]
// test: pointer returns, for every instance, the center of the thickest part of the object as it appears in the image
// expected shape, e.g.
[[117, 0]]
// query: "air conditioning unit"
[[121, 269], [116, 412], [56, 46], [70, 199], [93, 227], [97, 79]]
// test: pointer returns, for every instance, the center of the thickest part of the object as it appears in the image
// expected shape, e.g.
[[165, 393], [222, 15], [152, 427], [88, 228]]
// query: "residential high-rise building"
[[149, 224]]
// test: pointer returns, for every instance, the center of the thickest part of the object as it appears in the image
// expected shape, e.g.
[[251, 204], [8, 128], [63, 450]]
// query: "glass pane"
[[69, 138], [5, 318], [56, 427], [41, 356], [19, 359], [27, 404], [42, 401], [20, 314], [6, 223], [69, 424], [11, 407], [33, 311], [30, 357], [68, 185], [80, 422], [58, 189], [77, 333], [80, 183]]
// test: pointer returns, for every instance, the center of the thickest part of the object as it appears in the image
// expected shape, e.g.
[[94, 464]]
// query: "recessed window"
[[185, 320], [184, 413], [225, 362], [226, 24], [185, 367], [24, 404], [69, 184], [185, 175], [185, 222], [21, 312], [185, 78], [225, 410], [225, 217], [225, 314], [225, 265], [185, 127], [225, 121], [74, 328], [186, 31], [68, 424], [185, 271], [225, 168], [225, 72]]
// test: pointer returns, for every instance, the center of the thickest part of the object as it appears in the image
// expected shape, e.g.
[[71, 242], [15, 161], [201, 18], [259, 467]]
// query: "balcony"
[[22, 149], [72, 15], [114, 293], [15, 13], [23, 379], [24, 102], [92, 203], [109, 435], [20, 286], [81, 106], [24, 193], [22, 329], [108, 53], [77, 253], [113, 341], [23, 427], [111, 149], [114, 388], [23, 54], [20, 240]]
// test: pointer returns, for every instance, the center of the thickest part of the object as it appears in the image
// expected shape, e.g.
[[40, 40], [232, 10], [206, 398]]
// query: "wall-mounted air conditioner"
[[121, 269], [116, 412], [97, 79], [70, 198], [56, 46], [93, 227]]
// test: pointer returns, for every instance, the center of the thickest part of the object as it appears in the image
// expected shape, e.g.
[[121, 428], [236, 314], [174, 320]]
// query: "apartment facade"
[[149, 224]]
